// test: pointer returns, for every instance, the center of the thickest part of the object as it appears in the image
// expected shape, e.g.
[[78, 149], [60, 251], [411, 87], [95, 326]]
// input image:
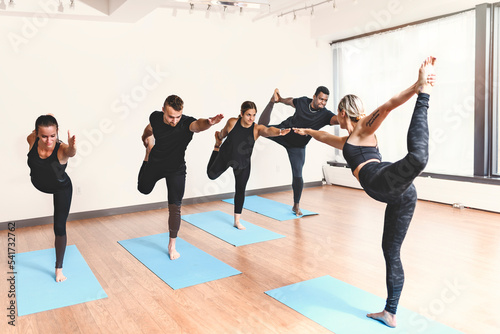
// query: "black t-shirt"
[[170, 142], [304, 117]]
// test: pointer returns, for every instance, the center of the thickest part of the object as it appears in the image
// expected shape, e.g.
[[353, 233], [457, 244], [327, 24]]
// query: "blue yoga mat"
[[37, 289], [193, 267], [270, 208], [221, 225], [342, 308]]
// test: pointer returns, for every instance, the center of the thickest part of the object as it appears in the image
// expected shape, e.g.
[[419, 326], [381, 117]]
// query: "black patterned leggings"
[[392, 183]]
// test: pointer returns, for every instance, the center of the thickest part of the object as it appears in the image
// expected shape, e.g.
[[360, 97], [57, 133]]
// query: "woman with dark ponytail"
[[236, 151], [47, 159]]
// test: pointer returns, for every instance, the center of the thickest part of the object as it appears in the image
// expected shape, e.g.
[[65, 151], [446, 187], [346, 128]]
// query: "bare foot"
[[426, 76], [276, 96], [387, 318], [218, 141], [296, 209], [172, 252], [59, 275], [239, 226], [237, 223]]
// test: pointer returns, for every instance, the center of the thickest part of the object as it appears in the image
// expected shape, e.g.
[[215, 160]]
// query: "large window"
[[377, 67]]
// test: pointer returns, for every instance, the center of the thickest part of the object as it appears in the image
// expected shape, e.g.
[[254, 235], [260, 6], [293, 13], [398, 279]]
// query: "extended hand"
[[300, 131], [71, 140], [284, 131], [216, 119]]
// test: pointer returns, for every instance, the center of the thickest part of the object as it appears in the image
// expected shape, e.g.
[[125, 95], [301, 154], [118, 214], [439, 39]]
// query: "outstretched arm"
[[322, 136], [373, 121], [203, 124], [68, 150], [271, 131]]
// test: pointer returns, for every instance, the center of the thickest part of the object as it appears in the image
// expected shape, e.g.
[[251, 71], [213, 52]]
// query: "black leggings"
[[392, 183], [149, 174], [62, 203], [296, 155], [215, 169]]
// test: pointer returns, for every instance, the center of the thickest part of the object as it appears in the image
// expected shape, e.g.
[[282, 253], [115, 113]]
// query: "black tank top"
[[355, 155], [238, 147], [47, 175]]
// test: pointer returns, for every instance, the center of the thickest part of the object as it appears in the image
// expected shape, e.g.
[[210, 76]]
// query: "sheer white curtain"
[[377, 67]]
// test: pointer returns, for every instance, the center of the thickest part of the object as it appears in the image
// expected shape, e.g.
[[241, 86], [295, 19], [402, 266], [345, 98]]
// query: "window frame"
[[495, 54], [487, 94]]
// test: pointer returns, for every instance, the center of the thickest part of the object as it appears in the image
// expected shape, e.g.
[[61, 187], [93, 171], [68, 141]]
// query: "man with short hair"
[[309, 113], [166, 138]]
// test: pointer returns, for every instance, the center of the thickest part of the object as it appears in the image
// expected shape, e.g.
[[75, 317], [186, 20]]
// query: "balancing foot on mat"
[[172, 252], [59, 275], [237, 223], [387, 318], [296, 209]]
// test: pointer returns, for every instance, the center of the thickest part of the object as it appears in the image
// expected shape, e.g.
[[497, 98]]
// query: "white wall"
[[103, 79]]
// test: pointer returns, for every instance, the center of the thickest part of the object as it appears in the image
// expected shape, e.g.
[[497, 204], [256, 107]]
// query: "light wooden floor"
[[451, 258]]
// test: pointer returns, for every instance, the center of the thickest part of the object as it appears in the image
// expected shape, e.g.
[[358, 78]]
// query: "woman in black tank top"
[[236, 151], [47, 159], [391, 183]]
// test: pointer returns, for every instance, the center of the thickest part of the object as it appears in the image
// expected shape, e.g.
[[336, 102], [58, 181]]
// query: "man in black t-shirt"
[[309, 113], [166, 138]]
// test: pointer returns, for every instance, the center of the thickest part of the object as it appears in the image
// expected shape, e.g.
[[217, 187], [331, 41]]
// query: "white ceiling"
[[349, 17], [134, 10]]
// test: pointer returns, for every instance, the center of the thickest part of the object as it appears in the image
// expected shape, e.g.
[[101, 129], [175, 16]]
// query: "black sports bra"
[[355, 155]]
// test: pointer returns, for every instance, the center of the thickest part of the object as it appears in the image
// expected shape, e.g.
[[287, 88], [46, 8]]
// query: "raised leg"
[[265, 116]]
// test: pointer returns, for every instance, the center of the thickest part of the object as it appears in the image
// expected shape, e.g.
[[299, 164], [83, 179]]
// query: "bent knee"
[[144, 190]]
